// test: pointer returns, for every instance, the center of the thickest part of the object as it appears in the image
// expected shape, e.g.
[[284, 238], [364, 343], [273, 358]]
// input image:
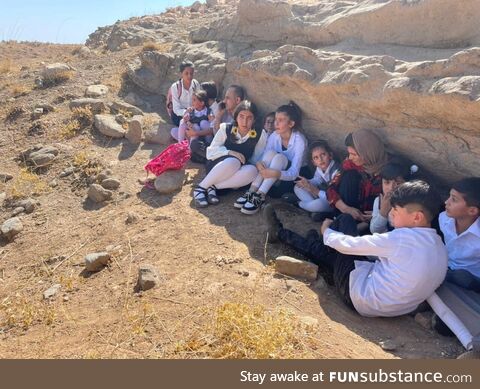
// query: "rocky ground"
[[83, 243]]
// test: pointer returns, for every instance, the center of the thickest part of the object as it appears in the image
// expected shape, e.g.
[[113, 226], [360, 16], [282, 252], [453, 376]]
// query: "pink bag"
[[174, 157]]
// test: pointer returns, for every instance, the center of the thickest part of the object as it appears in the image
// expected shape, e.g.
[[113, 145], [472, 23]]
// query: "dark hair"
[[321, 144], [238, 90], [271, 114], [393, 170], [419, 193], [211, 88], [202, 96], [185, 65], [349, 141], [245, 105], [469, 188], [294, 112]]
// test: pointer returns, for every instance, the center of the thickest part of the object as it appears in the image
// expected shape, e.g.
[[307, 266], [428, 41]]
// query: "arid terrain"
[[217, 293]]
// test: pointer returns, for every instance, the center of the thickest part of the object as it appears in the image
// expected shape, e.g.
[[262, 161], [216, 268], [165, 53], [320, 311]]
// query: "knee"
[[204, 125], [268, 156], [174, 133], [279, 161]]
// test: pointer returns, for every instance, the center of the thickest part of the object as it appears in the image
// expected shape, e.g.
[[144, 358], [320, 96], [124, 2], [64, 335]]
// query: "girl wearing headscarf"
[[355, 188]]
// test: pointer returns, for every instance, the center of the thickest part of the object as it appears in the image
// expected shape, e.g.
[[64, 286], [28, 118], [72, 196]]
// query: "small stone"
[[67, 172], [158, 135], [40, 159], [134, 133], [170, 181], [99, 194], [3, 197], [96, 261], [243, 273], [291, 285], [108, 126], [11, 228], [296, 268], [53, 183], [96, 91], [17, 211], [424, 319], [37, 113], [147, 277], [66, 298], [111, 184], [132, 218], [388, 345], [52, 291], [28, 204], [4, 177], [103, 175]]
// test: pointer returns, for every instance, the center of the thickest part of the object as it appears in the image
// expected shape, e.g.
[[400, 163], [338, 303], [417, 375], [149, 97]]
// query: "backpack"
[[179, 86], [174, 157]]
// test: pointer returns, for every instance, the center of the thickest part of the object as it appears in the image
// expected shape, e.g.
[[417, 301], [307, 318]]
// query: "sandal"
[[212, 197], [200, 197]]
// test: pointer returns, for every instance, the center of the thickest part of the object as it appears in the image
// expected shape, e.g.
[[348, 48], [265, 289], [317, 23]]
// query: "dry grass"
[[27, 184], [19, 313], [14, 113], [6, 66], [58, 78], [82, 118], [156, 46], [18, 90], [88, 166], [70, 129], [247, 331]]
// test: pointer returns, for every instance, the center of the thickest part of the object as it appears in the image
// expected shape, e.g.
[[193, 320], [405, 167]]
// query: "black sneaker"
[[242, 200], [254, 204], [273, 223]]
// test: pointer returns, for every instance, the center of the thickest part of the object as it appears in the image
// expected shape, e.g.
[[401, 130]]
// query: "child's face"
[[354, 157], [245, 120], [269, 124], [457, 208], [389, 186], [407, 217], [321, 158], [283, 124], [187, 74], [197, 103]]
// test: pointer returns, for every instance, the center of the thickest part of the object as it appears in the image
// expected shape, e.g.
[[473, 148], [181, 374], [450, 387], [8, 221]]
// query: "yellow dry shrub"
[[18, 90], [5, 66], [27, 184], [23, 314], [156, 46], [247, 331], [58, 78], [89, 166], [70, 129], [83, 115]]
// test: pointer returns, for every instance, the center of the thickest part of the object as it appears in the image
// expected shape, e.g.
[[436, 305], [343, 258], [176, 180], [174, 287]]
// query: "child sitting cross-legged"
[[410, 263], [460, 225]]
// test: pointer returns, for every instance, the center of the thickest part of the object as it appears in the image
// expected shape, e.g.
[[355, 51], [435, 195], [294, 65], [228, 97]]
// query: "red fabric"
[[174, 157], [370, 186]]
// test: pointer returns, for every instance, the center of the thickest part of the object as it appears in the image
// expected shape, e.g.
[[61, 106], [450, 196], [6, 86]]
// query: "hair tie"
[[413, 169]]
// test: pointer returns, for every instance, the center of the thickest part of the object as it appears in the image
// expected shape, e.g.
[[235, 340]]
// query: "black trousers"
[[175, 119], [281, 187], [198, 146], [312, 246], [349, 188]]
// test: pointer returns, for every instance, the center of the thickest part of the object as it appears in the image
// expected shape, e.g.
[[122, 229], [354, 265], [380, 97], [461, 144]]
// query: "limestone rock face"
[[405, 68]]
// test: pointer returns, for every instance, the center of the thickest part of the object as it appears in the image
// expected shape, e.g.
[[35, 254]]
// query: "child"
[[269, 123], [460, 225], [282, 160], [195, 122], [412, 260], [211, 89], [393, 174], [311, 193], [233, 146]]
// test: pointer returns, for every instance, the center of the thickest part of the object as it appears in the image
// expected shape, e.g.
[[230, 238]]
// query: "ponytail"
[[294, 113]]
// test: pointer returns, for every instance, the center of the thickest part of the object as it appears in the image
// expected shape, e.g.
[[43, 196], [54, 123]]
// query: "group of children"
[[376, 239]]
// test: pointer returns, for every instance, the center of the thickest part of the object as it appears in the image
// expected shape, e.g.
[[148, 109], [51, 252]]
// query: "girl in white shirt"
[[311, 193], [282, 160], [233, 146]]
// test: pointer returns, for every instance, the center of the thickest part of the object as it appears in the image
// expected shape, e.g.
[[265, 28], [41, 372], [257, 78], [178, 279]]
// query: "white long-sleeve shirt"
[[378, 224], [324, 177], [184, 100], [217, 148], [295, 153], [464, 249], [411, 265]]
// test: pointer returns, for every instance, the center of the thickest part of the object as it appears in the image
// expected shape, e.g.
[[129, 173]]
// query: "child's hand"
[[302, 182], [260, 166], [189, 132], [358, 215], [325, 225], [237, 155], [211, 118], [385, 205]]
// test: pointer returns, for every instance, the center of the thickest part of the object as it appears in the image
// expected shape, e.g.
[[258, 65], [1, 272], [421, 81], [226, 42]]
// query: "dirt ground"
[[205, 258]]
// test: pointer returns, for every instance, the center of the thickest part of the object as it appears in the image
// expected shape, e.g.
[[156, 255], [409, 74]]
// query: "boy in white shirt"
[[460, 225], [412, 260]]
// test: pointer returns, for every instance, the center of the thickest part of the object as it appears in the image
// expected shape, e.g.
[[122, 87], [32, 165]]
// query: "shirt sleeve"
[[297, 161], [177, 105], [378, 244], [378, 224], [259, 148], [217, 148]]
